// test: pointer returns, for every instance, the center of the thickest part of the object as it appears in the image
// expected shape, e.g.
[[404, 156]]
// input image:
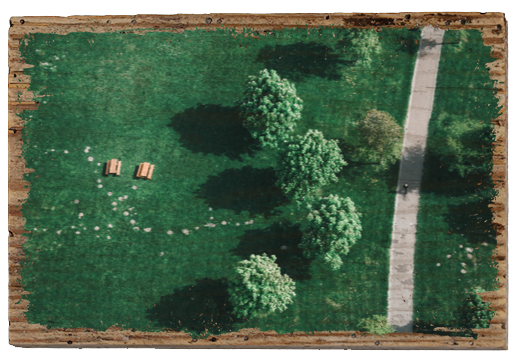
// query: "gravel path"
[[401, 280]]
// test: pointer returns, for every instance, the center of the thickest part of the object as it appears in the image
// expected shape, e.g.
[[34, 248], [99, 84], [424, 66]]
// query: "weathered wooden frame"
[[493, 27]]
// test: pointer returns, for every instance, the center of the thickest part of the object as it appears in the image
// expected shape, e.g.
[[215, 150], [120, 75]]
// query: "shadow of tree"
[[201, 309], [245, 189], [281, 240], [214, 129], [303, 59]]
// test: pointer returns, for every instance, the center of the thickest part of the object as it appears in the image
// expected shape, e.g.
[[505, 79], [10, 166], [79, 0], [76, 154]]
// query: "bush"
[[271, 108], [376, 325], [476, 313], [260, 288]]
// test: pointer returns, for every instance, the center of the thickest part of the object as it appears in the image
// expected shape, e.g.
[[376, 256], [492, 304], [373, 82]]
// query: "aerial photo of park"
[[211, 181]]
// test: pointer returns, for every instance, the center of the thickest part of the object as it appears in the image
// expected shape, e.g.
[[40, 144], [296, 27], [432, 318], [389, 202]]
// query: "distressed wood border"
[[493, 27]]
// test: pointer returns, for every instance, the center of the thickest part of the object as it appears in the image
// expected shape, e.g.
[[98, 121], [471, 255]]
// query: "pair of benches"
[[145, 170]]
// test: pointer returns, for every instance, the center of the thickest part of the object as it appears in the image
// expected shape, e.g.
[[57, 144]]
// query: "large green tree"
[[334, 226], [271, 107], [307, 163], [381, 138], [259, 287], [467, 146]]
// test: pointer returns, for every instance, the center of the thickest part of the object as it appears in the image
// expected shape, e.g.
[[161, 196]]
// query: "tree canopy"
[[381, 138], [307, 163], [271, 107], [334, 226], [259, 287]]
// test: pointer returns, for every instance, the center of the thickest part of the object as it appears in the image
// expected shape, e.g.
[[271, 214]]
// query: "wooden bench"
[[113, 167], [145, 170]]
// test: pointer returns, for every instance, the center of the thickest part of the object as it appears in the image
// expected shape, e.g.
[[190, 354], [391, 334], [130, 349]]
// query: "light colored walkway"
[[401, 280]]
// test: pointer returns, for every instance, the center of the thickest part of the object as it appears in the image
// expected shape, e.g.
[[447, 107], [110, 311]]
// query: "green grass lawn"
[[170, 99], [455, 235]]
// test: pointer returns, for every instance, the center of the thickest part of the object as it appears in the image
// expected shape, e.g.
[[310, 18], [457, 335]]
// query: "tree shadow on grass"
[[303, 59], [201, 309], [214, 129], [245, 189], [281, 240]]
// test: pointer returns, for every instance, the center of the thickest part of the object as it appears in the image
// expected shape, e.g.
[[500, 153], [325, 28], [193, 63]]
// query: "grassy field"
[[455, 235], [157, 254]]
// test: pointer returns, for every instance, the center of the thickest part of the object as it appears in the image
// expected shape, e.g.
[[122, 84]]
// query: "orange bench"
[[145, 170], [113, 167]]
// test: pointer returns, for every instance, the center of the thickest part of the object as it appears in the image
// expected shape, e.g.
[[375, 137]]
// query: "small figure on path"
[[405, 187]]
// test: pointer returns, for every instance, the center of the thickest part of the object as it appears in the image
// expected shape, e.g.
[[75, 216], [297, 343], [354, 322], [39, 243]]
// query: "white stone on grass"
[[110, 225], [108, 237], [91, 159], [80, 215], [125, 213], [77, 232], [59, 232], [66, 151], [87, 150], [100, 186], [463, 271], [186, 232], [438, 264], [76, 201], [109, 193], [136, 228], [147, 229], [96, 228], [134, 187], [132, 221], [469, 249], [114, 203], [99, 180], [224, 222], [169, 232], [125, 197], [469, 256], [449, 256]]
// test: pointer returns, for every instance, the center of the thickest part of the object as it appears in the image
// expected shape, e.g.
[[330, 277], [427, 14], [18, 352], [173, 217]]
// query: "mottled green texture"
[[308, 163], [334, 226], [476, 313], [381, 138], [170, 99], [456, 235], [258, 287], [271, 108], [376, 325]]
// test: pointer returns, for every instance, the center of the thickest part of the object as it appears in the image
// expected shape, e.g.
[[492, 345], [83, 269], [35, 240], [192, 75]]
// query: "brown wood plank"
[[150, 171]]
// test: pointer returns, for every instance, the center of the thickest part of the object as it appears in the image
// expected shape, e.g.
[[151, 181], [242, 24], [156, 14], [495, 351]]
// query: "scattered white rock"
[[211, 218], [211, 209], [73, 227], [469, 256], [66, 151], [449, 256], [110, 225], [99, 164], [120, 198], [134, 187], [130, 209], [91, 159], [115, 209], [114, 203], [463, 264], [109, 193], [125, 213], [469, 249], [77, 232], [147, 229], [76, 201], [186, 232], [136, 228], [485, 244], [100, 186], [161, 253], [99, 180], [96, 228], [132, 221], [224, 223], [463, 271], [87, 150], [108, 237], [238, 224], [59, 232], [460, 246], [197, 228], [52, 150], [438, 264], [80, 215], [125, 197], [169, 232]]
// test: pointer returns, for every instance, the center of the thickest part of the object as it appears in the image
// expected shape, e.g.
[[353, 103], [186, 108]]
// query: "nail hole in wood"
[[353, 335], [219, 21], [194, 339], [11, 233], [213, 339], [327, 17], [22, 21], [246, 338], [407, 17], [377, 343], [69, 342], [133, 22], [209, 20]]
